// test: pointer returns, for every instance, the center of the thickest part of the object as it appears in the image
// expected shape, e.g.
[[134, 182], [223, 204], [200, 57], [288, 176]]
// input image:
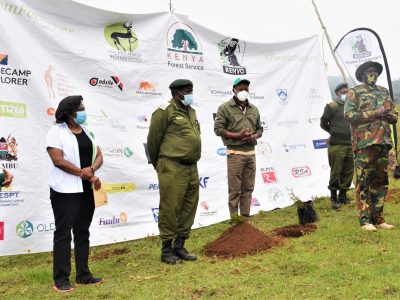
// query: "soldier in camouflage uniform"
[[174, 147], [340, 154], [370, 111]]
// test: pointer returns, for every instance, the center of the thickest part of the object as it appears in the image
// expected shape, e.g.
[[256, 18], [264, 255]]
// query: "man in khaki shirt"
[[238, 124]]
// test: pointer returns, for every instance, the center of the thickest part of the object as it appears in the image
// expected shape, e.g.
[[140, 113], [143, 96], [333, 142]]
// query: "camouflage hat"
[[239, 80], [340, 86], [180, 83], [360, 70]]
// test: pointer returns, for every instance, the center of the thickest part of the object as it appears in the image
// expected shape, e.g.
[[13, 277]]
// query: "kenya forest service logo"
[[3, 59], [8, 148], [282, 95], [231, 51], [147, 88], [359, 46], [12, 109], [184, 48], [269, 175], [24, 229], [301, 171]]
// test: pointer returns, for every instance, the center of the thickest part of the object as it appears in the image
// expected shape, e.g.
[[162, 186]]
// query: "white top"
[[60, 137]]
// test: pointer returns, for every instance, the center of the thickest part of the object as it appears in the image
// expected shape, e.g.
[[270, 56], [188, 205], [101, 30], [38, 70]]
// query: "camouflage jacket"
[[360, 109]]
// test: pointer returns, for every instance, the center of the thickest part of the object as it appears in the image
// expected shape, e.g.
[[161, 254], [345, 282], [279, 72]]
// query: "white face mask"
[[343, 97], [243, 95]]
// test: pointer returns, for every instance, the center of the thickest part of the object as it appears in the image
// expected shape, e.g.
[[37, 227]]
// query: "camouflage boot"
[[334, 200], [167, 254]]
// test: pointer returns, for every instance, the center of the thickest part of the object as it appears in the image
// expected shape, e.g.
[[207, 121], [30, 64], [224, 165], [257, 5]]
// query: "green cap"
[[239, 80], [180, 83]]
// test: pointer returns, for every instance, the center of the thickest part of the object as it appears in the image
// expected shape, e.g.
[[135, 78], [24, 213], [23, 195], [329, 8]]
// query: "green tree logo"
[[182, 38], [121, 37], [24, 229]]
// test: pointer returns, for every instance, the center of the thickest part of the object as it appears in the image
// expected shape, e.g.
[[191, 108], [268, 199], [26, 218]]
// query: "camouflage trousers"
[[372, 182]]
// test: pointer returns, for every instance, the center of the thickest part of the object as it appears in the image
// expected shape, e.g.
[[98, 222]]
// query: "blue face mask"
[[188, 99], [80, 117]]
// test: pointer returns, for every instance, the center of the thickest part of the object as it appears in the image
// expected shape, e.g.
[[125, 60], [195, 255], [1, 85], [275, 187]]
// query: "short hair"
[[66, 107]]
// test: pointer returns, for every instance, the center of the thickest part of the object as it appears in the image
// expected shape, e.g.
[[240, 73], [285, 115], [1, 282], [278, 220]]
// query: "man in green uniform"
[[340, 155], [370, 111], [174, 147], [238, 124]]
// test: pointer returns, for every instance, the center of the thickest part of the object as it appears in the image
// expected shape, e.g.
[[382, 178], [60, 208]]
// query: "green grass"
[[338, 261]]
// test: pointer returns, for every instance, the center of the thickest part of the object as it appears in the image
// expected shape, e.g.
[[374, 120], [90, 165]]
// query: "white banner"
[[123, 65], [358, 46]]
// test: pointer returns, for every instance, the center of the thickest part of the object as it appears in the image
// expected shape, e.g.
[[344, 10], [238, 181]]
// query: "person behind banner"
[[6, 178], [340, 155], [76, 158], [370, 111], [239, 126], [174, 147]]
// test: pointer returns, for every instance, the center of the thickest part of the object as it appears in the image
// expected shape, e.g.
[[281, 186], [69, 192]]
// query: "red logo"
[[301, 171], [204, 205], [118, 82], [93, 81], [269, 177], [1, 231]]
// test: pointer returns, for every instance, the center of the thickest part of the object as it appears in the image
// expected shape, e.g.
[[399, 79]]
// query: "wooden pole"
[[329, 41], [170, 6]]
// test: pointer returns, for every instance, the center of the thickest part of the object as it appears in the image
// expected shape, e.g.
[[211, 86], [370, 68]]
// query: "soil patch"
[[393, 195], [240, 240], [105, 254], [294, 231]]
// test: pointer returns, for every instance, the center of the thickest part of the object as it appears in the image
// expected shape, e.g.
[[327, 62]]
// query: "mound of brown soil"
[[393, 195], [294, 230], [240, 240]]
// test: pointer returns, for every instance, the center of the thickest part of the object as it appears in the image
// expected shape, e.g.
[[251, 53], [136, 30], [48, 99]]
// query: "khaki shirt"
[[230, 117], [174, 132]]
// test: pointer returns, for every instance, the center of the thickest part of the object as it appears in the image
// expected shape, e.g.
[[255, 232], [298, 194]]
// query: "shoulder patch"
[[164, 105], [333, 105]]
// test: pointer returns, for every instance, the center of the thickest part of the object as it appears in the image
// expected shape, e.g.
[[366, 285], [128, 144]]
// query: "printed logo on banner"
[[155, 214], [221, 93], [58, 85], [3, 59], [288, 123], [293, 147], [232, 51], [154, 187], [269, 175], [10, 198], [147, 88], [359, 46], [290, 58], [9, 152], [263, 148], [320, 144], [282, 96], [204, 181], [264, 123], [13, 76], [254, 202], [313, 120], [114, 221], [1, 231], [124, 41], [314, 96], [301, 171], [143, 122], [275, 195], [12, 109], [254, 96], [107, 83], [221, 151], [205, 210], [24, 229], [184, 48], [51, 111], [120, 187], [110, 151]]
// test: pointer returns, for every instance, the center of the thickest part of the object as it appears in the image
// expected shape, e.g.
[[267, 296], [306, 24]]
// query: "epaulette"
[[165, 105]]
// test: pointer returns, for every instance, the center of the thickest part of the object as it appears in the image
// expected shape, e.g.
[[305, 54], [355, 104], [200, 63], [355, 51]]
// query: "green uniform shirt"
[[366, 129], [230, 117], [174, 132], [333, 122]]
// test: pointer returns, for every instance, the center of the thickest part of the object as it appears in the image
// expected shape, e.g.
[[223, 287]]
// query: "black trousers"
[[71, 212]]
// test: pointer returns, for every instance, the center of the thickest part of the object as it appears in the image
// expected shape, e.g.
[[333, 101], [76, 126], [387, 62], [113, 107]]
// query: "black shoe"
[[168, 255], [63, 288], [343, 197], [90, 280], [334, 200], [181, 252]]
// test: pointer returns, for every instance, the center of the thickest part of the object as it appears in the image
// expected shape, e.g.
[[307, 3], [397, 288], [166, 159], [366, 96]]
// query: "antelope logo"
[[121, 37]]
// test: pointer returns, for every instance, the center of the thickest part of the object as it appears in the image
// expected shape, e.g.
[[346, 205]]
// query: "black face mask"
[[370, 79]]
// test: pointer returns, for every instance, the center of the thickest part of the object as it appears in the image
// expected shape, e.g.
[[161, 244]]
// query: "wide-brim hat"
[[360, 70]]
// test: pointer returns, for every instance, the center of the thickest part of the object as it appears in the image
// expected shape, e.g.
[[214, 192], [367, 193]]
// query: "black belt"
[[178, 160]]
